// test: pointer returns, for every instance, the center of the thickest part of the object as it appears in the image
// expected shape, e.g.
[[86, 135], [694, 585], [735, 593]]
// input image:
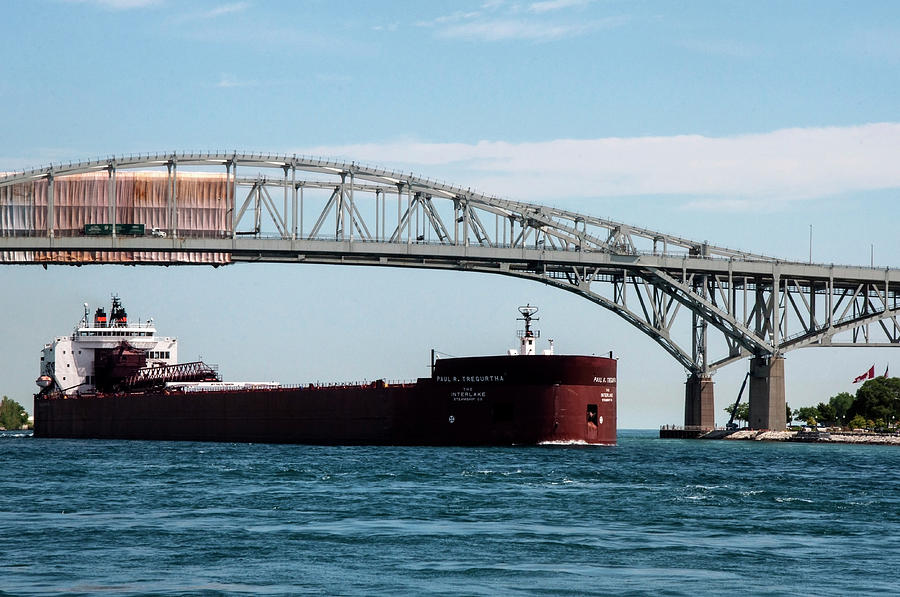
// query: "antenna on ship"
[[117, 315], [526, 344]]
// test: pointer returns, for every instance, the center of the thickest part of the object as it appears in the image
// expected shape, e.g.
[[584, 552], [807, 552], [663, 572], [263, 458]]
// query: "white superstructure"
[[528, 337], [67, 363]]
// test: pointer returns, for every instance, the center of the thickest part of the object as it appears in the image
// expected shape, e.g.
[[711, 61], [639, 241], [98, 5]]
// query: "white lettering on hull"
[[470, 379], [468, 395]]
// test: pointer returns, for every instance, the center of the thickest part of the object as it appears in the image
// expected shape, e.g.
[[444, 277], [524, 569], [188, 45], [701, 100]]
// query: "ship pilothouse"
[[527, 337], [69, 363]]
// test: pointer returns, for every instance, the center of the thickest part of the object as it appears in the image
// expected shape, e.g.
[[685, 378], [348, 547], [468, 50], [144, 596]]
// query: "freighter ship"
[[117, 379]]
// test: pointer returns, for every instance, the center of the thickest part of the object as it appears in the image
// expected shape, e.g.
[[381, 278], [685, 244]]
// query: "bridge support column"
[[699, 406], [767, 402]]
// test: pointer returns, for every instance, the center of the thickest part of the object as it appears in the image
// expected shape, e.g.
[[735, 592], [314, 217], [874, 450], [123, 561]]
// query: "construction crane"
[[731, 425]]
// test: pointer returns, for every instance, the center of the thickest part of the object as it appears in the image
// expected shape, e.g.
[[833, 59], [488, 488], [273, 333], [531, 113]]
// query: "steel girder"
[[757, 305]]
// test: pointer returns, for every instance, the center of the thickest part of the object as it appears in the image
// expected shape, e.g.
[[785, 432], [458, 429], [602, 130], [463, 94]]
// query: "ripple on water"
[[646, 516]]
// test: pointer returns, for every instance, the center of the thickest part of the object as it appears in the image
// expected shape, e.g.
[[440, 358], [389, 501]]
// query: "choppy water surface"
[[648, 516]]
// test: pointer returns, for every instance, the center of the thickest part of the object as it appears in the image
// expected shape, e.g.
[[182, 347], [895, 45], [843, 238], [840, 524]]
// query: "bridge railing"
[[226, 234]]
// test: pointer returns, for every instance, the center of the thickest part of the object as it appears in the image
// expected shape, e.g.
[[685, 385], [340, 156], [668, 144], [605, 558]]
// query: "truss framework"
[[707, 306]]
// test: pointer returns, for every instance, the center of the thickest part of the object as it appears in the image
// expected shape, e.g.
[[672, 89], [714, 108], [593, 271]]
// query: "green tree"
[[857, 422], [742, 414], [841, 405], [12, 414], [827, 414], [808, 414], [878, 398]]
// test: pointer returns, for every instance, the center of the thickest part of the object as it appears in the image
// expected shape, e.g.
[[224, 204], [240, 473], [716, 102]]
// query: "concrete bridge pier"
[[699, 406], [767, 401]]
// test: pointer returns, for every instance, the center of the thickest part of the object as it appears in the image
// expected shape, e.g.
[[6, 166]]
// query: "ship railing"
[[353, 384], [265, 387]]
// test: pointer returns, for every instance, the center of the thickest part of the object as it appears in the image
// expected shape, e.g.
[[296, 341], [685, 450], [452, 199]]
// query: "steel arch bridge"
[[298, 209]]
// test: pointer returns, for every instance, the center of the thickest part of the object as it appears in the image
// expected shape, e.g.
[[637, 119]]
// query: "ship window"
[[592, 414]]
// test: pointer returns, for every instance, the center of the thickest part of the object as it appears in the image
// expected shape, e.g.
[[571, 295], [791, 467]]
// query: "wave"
[[16, 434], [571, 442]]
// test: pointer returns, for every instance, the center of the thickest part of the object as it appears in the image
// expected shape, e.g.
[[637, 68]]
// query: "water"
[[649, 516]]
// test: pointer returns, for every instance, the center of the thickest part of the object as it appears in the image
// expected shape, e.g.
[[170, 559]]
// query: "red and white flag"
[[870, 374]]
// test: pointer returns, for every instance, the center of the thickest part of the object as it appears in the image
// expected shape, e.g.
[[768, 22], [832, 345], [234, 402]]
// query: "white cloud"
[[226, 9], [455, 17], [744, 172], [119, 4], [219, 11], [501, 21], [552, 5], [513, 29], [212, 13]]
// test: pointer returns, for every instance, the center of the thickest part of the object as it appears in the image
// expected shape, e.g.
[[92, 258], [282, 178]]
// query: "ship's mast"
[[527, 338]]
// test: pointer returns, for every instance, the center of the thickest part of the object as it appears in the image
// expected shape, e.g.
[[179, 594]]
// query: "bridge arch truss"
[[706, 305]]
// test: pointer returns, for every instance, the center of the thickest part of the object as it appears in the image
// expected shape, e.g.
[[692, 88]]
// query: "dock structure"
[[706, 306]]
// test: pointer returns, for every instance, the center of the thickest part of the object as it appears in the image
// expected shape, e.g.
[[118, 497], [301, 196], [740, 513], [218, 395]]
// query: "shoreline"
[[807, 437]]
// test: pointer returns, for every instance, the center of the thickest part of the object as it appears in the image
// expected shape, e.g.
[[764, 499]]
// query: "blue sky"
[[735, 122]]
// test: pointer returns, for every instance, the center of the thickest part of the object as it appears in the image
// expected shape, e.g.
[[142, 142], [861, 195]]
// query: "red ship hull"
[[468, 401]]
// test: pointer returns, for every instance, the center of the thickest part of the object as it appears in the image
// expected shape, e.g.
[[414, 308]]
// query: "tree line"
[[12, 414], [876, 405]]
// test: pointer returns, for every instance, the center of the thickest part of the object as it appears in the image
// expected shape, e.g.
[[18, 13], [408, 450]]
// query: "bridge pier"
[[767, 401], [699, 406]]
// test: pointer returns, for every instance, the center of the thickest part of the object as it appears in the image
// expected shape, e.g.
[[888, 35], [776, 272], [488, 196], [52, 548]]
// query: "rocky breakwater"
[[841, 437]]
